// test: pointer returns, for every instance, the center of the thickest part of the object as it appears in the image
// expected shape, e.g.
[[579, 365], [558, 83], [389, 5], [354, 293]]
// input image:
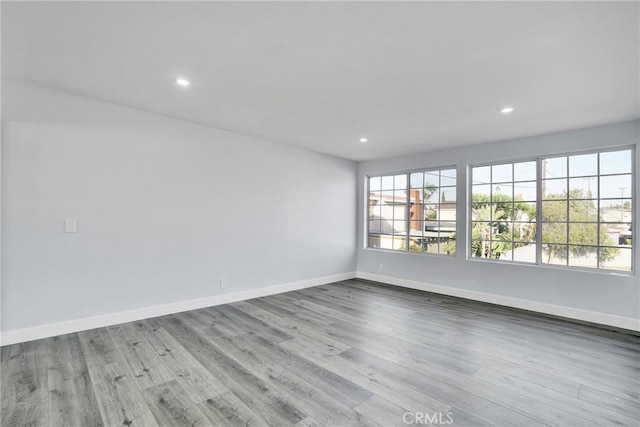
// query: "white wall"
[[603, 295], [165, 208]]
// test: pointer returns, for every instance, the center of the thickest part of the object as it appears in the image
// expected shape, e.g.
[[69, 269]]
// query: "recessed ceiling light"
[[363, 140], [507, 110], [182, 82]]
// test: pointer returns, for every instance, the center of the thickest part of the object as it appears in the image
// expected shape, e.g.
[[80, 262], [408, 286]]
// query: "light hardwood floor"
[[346, 354]]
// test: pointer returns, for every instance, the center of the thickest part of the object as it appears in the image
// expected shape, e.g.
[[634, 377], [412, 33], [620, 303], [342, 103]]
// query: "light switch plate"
[[70, 225]]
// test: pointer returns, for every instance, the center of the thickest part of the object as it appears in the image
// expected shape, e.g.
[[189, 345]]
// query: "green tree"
[[500, 216], [582, 235], [450, 246], [510, 208], [413, 247], [486, 226], [428, 191]]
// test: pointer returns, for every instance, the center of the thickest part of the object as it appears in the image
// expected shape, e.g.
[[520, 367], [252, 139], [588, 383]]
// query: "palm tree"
[[485, 218]]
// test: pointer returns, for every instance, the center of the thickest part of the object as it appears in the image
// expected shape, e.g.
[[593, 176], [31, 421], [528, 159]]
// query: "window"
[[503, 211], [587, 210], [577, 211], [388, 212], [413, 211]]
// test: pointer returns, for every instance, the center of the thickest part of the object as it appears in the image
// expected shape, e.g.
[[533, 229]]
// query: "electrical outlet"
[[381, 267], [223, 283]]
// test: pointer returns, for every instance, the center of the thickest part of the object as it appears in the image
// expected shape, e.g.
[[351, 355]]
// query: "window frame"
[[407, 173], [539, 199], [469, 209]]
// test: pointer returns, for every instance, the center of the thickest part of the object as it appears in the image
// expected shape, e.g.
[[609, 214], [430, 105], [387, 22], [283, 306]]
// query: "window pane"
[[481, 230], [554, 210], [476, 251], [481, 190], [374, 198], [431, 226], [386, 241], [432, 179], [386, 226], [431, 212], [400, 182], [416, 228], [524, 252], [448, 247], [505, 255], [525, 171], [583, 188], [387, 182], [399, 227], [615, 186], [583, 210], [374, 211], [415, 245], [554, 168], [524, 211], [619, 210], [448, 194], [554, 254], [502, 173], [417, 180], [448, 177], [374, 225], [399, 212], [583, 256], [583, 233], [586, 164], [415, 195], [615, 258], [524, 231], [497, 211], [526, 191], [386, 204], [399, 242], [504, 231], [554, 188], [615, 162], [398, 199], [432, 247], [502, 191], [501, 249], [612, 234], [481, 175], [447, 212], [447, 231], [374, 183], [374, 241], [432, 195], [554, 232]]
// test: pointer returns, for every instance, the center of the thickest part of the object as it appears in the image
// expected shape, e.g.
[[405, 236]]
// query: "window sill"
[[620, 273]]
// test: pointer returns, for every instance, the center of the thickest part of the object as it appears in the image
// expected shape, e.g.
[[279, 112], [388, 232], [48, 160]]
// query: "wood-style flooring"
[[346, 354]]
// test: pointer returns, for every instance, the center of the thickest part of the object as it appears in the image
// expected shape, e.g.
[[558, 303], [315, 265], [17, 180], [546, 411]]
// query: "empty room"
[[322, 214]]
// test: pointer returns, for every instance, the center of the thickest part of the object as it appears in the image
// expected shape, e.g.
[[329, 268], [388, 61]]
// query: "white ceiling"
[[411, 77]]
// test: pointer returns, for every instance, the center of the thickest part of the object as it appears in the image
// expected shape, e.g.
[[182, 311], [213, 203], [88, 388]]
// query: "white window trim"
[[538, 263], [407, 173]]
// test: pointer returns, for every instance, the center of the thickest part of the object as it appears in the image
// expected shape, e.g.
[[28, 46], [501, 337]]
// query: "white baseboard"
[[541, 307], [67, 327]]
